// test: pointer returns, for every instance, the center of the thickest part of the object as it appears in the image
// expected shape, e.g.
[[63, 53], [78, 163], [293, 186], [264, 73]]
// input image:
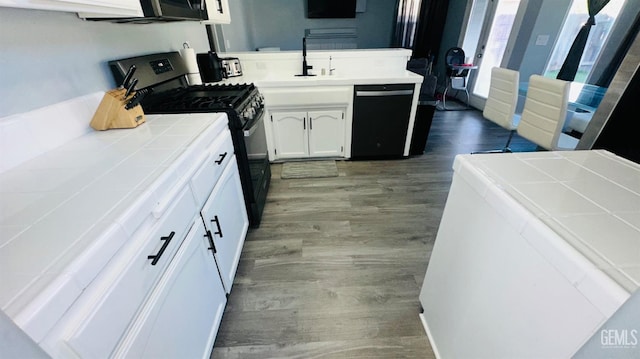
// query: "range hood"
[[158, 11]]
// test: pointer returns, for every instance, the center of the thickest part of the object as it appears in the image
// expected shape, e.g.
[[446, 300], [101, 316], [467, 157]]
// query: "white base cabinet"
[[182, 316], [163, 293], [304, 134], [95, 324], [226, 222]]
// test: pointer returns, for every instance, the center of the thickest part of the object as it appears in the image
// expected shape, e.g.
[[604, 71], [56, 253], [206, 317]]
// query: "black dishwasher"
[[380, 120]]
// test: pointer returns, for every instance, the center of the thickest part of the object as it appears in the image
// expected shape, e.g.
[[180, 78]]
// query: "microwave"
[[162, 11]]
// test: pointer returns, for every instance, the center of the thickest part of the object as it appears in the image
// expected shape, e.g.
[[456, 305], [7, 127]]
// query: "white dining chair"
[[544, 113], [500, 107]]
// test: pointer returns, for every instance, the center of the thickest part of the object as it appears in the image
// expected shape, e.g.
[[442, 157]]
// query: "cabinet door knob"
[[157, 256]]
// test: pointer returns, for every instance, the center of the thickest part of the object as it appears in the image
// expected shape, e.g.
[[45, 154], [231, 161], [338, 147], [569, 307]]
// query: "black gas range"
[[164, 75]]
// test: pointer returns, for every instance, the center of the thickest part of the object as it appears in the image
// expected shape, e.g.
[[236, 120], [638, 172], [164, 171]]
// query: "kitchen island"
[[293, 101], [535, 251]]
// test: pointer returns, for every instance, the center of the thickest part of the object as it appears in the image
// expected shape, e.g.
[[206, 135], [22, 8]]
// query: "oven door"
[[255, 141], [255, 138]]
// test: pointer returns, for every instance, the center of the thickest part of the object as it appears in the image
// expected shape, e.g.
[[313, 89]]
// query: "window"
[[578, 15]]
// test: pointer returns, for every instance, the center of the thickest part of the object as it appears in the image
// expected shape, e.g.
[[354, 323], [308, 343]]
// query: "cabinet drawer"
[[205, 178], [103, 313]]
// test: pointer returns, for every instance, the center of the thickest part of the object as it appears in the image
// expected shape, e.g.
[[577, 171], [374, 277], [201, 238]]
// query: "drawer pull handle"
[[212, 246], [219, 160], [217, 221], [166, 240]]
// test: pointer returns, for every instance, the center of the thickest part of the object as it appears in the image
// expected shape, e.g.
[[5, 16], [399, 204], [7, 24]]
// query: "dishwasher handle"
[[384, 93]]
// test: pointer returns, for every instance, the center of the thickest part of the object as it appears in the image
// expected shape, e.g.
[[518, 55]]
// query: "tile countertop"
[[64, 213], [290, 80], [351, 67], [589, 198]]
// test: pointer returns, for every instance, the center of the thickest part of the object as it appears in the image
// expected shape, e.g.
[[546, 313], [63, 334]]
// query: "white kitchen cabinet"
[[102, 7], [97, 320], [217, 12], [290, 137], [182, 316], [156, 273], [225, 218], [326, 133], [308, 134]]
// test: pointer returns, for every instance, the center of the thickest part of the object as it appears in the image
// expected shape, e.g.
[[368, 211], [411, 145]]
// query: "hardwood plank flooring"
[[335, 269]]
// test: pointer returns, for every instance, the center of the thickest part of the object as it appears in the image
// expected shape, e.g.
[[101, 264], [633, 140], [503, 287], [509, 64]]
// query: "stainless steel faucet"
[[305, 67]]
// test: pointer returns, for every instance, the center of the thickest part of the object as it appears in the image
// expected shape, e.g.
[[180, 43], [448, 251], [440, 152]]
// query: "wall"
[[49, 56], [548, 22], [272, 23], [237, 35]]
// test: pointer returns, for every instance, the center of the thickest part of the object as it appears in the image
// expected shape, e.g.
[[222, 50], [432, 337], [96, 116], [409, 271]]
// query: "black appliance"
[[163, 11], [166, 73], [215, 69], [380, 120], [331, 9]]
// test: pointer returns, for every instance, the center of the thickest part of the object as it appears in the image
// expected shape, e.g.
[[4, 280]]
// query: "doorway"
[[485, 41]]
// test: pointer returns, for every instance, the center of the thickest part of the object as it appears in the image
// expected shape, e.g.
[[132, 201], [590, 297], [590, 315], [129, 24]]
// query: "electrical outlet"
[[227, 44]]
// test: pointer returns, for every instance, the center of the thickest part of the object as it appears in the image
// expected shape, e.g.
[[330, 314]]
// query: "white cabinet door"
[[217, 12], [182, 316], [225, 217], [326, 133], [112, 8], [308, 134], [290, 134]]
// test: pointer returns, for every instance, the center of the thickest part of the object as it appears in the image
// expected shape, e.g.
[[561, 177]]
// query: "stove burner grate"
[[199, 98]]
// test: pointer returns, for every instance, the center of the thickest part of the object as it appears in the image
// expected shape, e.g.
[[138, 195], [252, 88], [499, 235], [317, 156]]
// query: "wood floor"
[[335, 269]]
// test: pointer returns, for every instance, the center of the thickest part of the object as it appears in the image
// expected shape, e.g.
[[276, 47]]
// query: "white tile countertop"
[[590, 198], [64, 213], [290, 80], [350, 67]]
